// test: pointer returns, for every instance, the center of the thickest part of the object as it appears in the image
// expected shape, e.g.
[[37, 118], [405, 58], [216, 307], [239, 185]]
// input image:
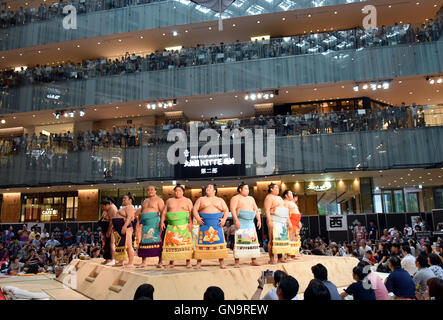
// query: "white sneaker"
[[111, 263]]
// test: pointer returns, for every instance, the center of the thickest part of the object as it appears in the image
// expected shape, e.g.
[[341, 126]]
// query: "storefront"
[[47, 207]]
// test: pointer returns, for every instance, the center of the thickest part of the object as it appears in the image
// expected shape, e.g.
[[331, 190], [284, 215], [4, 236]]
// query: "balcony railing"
[[324, 43], [314, 153], [238, 67]]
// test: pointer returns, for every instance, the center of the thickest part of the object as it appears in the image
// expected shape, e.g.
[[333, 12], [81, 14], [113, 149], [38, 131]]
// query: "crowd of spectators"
[[223, 53], [33, 252], [49, 11], [388, 118], [399, 285], [414, 265]]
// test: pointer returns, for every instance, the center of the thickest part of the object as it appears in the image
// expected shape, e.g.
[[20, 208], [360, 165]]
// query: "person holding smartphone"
[[271, 294]]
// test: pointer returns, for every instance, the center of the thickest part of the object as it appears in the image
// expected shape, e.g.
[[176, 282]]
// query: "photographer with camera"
[[266, 277]]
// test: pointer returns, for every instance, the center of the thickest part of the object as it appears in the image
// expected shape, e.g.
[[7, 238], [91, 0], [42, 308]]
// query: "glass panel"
[[387, 202], [48, 200], [439, 198], [378, 204], [412, 202], [399, 201], [69, 202], [58, 200]]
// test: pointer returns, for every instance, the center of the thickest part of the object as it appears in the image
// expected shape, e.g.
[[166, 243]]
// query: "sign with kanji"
[[336, 223]]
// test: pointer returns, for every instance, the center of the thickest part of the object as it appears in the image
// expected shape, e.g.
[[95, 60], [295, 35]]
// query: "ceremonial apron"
[[120, 240], [150, 243], [211, 242], [178, 241], [246, 241], [280, 237], [195, 228], [294, 239], [107, 240]]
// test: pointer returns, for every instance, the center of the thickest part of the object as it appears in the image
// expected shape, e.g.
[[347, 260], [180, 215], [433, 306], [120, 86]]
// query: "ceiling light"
[[386, 85], [356, 88], [246, 97], [174, 33], [440, 80], [82, 113], [3, 121], [365, 87]]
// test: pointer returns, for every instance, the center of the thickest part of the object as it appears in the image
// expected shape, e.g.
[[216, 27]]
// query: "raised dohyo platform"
[[100, 282]]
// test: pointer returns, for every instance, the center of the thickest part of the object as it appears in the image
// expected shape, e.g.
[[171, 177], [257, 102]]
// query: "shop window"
[[399, 201], [438, 198], [378, 203], [71, 208], [388, 205]]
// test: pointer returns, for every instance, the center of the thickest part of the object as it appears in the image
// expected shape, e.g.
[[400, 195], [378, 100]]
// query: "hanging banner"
[[336, 223]]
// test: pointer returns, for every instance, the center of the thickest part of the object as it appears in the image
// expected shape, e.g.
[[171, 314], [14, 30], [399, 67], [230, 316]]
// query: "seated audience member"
[[355, 254], [214, 294], [435, 289], [399, 282], [52, 242], [358, 289], [422, 275], [32, 264], [15, 267], [408, 262], [321, 273], [317, 291], [287, 288], [363, 249], [370, 258], [144, 292], [435, 265], [271, 294], [395, 250], [381, 293]]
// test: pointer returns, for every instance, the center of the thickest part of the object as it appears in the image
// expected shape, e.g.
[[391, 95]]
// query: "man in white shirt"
[[271, 294], [407, 231], [393, 232], [363, 248], [52, 242], [408, 262]]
